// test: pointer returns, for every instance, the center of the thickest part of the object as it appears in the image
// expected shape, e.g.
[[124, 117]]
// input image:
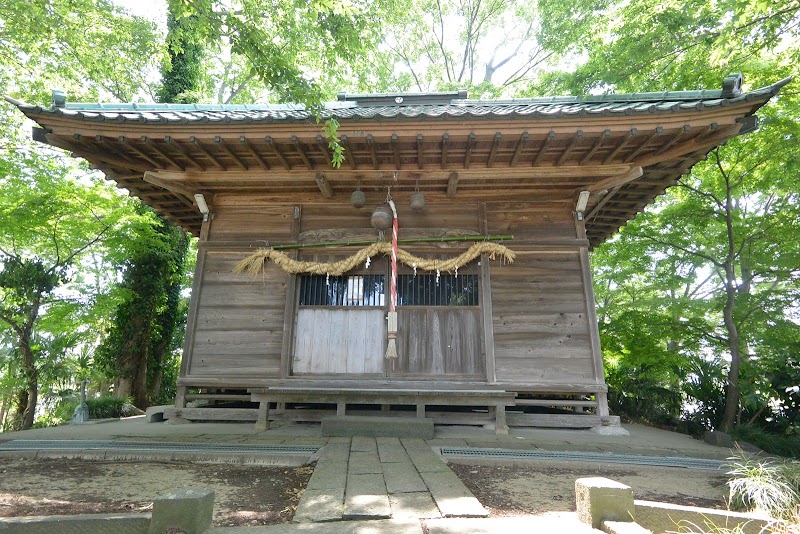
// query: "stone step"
[[375, 426]]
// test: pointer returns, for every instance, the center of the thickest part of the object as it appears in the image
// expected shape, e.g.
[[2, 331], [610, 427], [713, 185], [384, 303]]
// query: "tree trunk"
[[734, 346]]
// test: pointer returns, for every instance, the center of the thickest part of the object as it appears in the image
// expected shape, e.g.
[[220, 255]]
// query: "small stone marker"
[[599, 499], [188, 510], [81, 414]]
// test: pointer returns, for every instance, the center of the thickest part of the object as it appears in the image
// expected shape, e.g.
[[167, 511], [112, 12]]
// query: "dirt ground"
[[249, 495], [550, 486], [244, 495]]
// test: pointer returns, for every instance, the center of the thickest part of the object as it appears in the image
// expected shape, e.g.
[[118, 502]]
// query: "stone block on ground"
[[155, 414], [318, 506], [374, 426], [186, 509], [718, 439], [77, 524], [623, 527], [599, 499]]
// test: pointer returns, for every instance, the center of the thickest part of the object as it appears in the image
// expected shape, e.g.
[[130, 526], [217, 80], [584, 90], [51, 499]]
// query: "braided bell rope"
[[255, 263]]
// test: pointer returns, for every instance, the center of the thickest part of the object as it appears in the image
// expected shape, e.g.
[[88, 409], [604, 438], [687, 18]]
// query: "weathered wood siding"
[[444, 342], [338, 341], [238, 328], [541, 332]]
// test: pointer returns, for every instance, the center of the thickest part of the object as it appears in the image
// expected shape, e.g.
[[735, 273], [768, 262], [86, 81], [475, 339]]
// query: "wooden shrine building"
[[548, 178]]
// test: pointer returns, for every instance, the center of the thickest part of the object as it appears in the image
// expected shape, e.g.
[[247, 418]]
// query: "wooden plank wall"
[[239, 326], [539, 319], [541, 331]]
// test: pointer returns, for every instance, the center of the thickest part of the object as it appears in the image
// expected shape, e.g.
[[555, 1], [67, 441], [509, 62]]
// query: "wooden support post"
[[421, 410], [341, 408], [386, 407], [262, 423], [500, 424], [452, 185], [180, 397], [324, 185], [602, 404]]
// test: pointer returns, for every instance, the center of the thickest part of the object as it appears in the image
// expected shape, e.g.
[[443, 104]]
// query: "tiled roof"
[[352, 109]]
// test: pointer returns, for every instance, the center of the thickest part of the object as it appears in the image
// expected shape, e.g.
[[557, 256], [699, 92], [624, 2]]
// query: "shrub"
[[108, 407], [788, 446], [769, 485]]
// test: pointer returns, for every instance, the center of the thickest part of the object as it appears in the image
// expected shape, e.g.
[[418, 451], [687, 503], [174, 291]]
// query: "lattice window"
[[347, 290], [446, 290]]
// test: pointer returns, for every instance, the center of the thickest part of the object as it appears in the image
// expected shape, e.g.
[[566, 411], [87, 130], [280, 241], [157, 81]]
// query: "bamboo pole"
[[361, 243]]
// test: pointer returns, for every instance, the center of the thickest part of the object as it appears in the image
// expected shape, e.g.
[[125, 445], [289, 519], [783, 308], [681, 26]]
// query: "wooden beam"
[[149, 142], [170, 141], [452, 185], [698, 144], [256, 155], [616, 181], [597, 142], [277, 151], [124, 140], [658, 131], [323, 146], [445, 141], [550, 136], [110, 148], [181, 191], [301, 152], [674, 139], [348, 152], [324, 185], [471, 140], [396, 150], [372, 152], [207, 153], [235, 157], [600, 203], [523, 140], [493, 152], [420, 163], [620, 146], [575, 141]]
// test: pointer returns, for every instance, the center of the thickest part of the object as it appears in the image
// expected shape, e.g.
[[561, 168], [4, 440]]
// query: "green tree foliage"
[[720, 269]]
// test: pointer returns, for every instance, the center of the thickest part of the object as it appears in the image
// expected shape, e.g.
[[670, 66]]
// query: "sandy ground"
[[244, 495], [539, 487]]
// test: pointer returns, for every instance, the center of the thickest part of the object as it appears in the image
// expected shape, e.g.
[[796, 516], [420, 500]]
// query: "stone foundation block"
[[599, 499], [187, 510]]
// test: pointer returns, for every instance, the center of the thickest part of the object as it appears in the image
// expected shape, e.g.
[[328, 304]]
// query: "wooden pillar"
[[500, 425], [262, 423], [290, 306], [191, 319], [591, 316], [485, 303]]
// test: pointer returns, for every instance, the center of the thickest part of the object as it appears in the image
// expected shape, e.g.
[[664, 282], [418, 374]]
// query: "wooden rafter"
[[674, 139], [109, 147], [471, 141], [602, 202], [253, 152], [228, 150], [153, 146], [277, 151], [616, 181], [159, 165], [523, 140], [324, 149], [622, 144], [657, 131], [301, 152], [170, 141], [575, 140], [493, 151], [372, 152], [596, 145], [348, 152], [182, 192], [396, 150], [445, 144], [420, 162], [212, 158], [547, 140]]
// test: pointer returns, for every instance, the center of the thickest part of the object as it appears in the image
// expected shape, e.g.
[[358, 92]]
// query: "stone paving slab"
[[403, 478], [320, 505], [364, 463], [392, 452], [452, 496], [366, 498], [413, 505], [328, 475], [385, 526], [565, 523], [364, 444]]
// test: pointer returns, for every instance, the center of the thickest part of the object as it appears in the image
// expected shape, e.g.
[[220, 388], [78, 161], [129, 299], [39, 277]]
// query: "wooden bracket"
[[452, 185], [324, 185]]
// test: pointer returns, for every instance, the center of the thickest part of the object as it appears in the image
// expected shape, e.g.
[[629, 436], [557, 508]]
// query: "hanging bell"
[[358, 199], [417, 201], [381, 217]]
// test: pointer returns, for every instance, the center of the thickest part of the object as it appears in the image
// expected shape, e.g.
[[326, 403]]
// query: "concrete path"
[[381, 478]]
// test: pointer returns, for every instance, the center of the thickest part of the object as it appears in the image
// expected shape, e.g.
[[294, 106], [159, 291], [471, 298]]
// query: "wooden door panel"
[[336, 341], [439, 341]]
